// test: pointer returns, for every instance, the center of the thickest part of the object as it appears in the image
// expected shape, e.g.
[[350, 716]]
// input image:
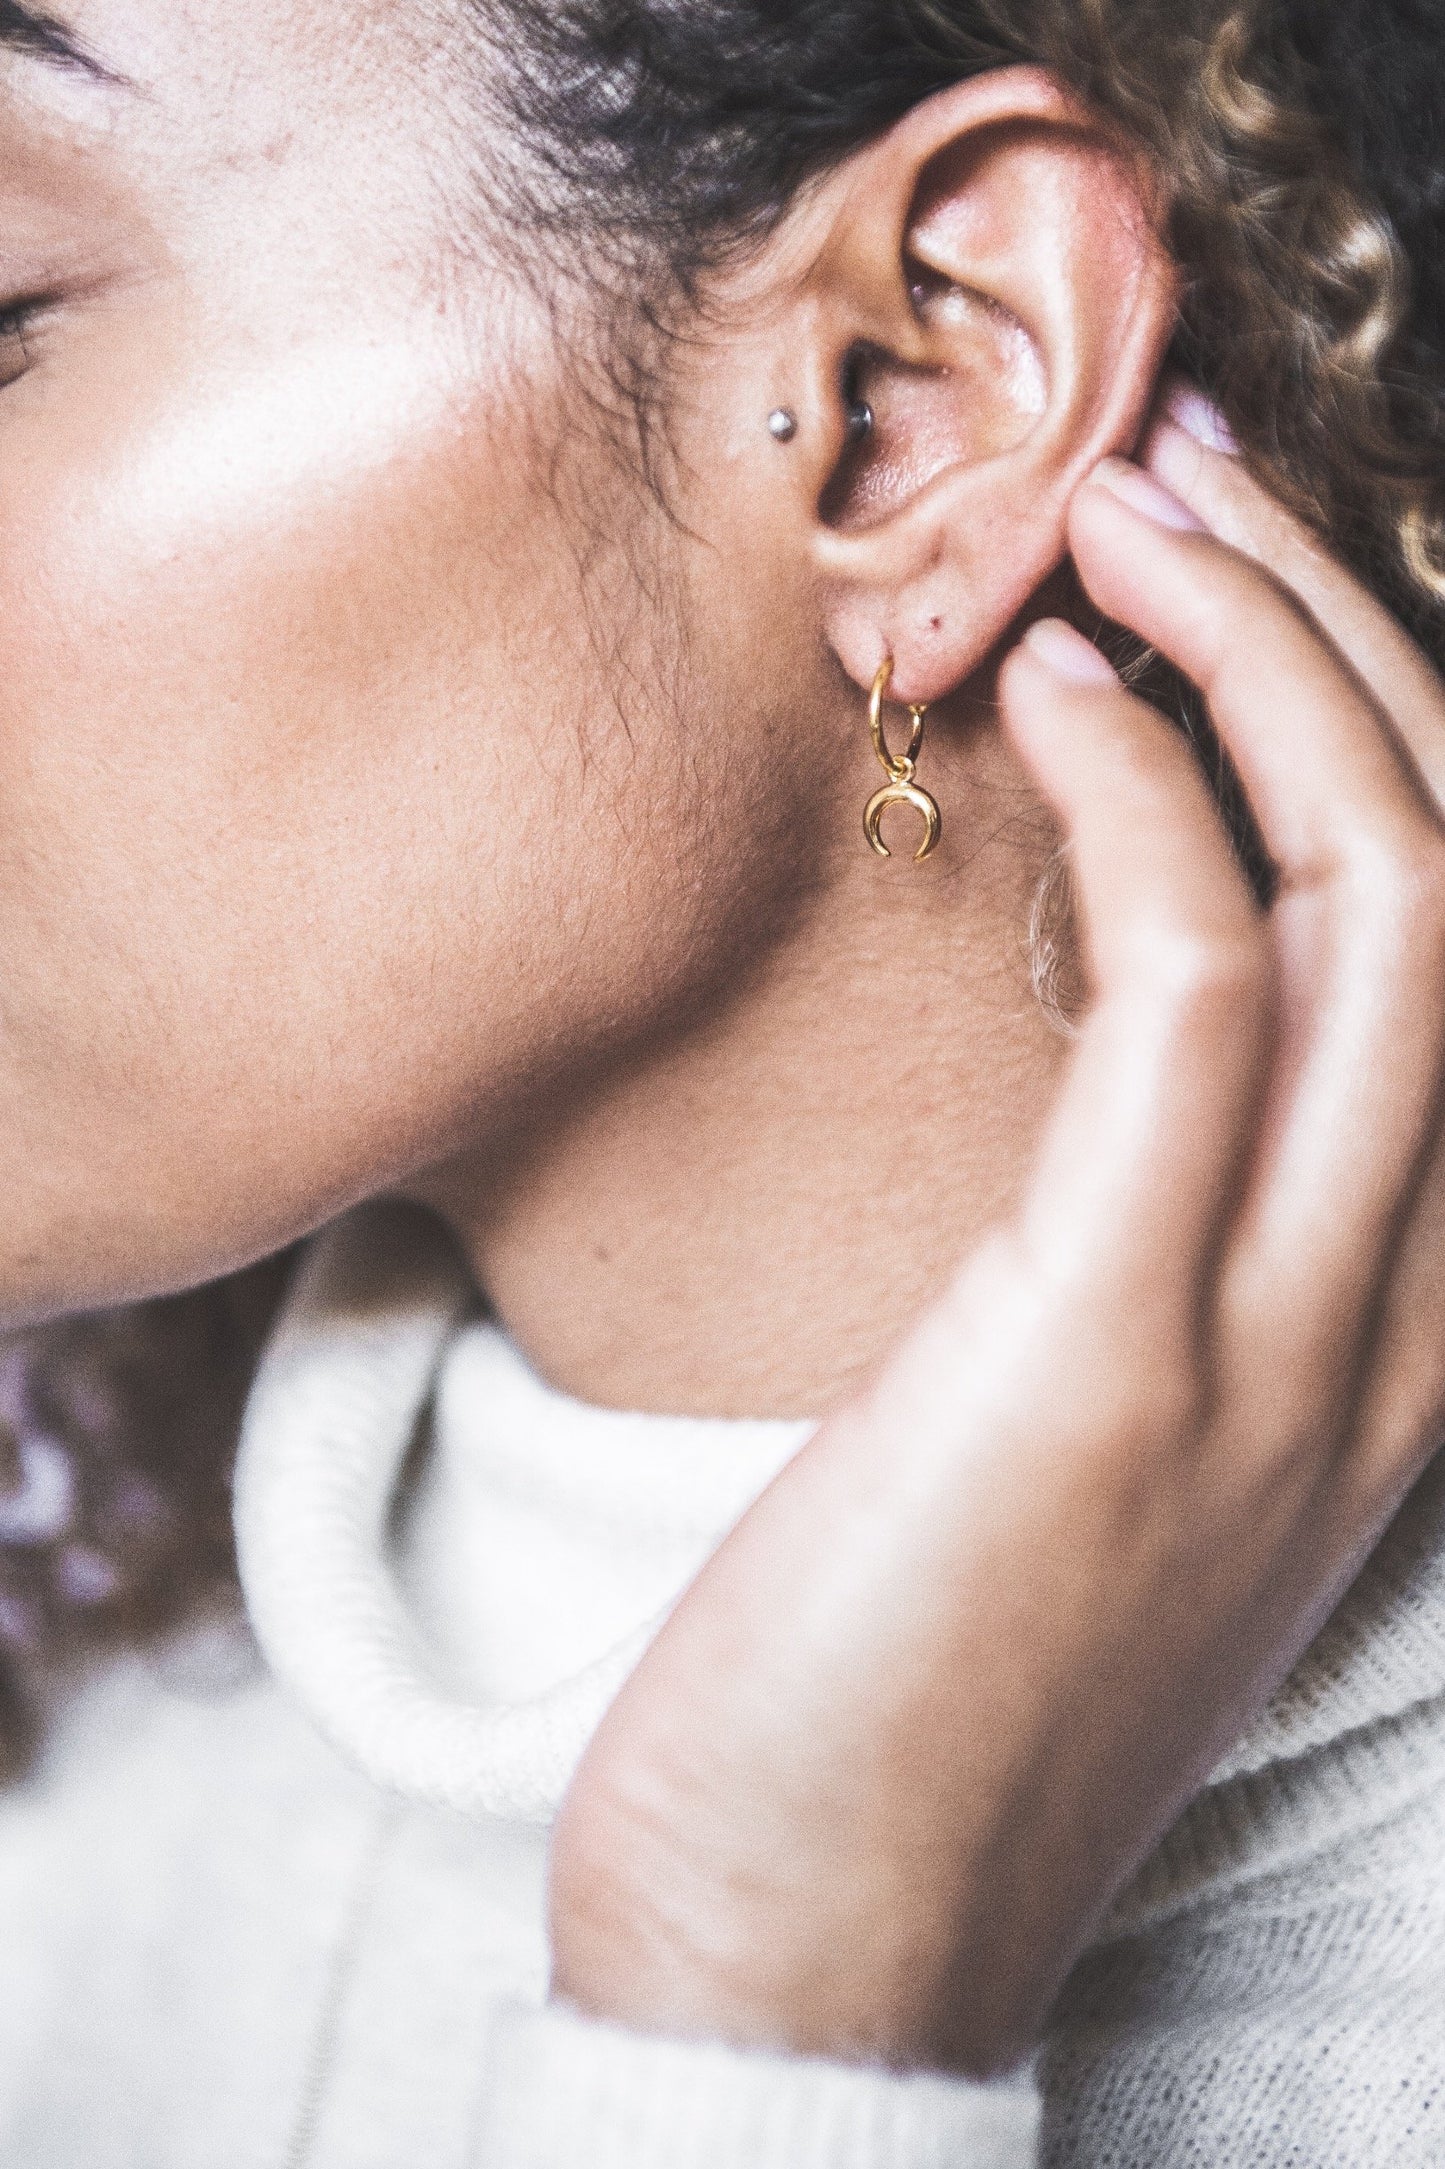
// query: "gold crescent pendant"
[[899, 793]]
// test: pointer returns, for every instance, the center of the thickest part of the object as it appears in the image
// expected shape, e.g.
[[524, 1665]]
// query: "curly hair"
[[674, 134], [1297, 146]]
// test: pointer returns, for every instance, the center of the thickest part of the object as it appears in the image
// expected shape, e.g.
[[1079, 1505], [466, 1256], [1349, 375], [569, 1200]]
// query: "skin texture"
[[393, 796], [318, 741], [362, 830], [1215, 1310]]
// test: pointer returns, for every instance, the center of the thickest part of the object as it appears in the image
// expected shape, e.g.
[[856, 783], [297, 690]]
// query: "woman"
[[476, 473]]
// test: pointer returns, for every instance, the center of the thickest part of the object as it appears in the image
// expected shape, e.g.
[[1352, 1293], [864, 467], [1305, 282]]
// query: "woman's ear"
[[983, 317]]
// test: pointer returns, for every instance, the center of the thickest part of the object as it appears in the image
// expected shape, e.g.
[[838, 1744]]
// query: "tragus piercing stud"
[[783, 423]]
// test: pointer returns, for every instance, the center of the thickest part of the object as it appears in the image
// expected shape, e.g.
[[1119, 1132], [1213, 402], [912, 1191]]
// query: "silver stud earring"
[[860, 419], [782, 425]]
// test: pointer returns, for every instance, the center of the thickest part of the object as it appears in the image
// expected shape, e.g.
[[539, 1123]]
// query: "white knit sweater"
[[226, 1943]]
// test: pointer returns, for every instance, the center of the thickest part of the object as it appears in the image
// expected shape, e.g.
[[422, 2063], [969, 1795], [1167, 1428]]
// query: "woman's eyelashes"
[[24, 324], [15, 356]]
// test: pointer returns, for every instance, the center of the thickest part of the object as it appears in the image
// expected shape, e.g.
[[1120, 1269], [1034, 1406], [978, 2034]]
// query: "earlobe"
[[1010, 304]]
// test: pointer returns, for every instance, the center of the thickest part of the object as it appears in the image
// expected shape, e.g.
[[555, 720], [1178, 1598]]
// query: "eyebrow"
[[42, 37]]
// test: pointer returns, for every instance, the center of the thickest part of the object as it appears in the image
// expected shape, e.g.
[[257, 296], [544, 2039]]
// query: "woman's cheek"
[[277, 742]]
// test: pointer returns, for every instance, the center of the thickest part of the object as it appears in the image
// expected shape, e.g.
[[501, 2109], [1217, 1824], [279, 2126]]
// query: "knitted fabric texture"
[[1270, 1988]]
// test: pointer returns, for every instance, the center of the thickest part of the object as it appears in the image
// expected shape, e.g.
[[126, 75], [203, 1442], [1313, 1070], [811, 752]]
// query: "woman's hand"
[[971, 1653]]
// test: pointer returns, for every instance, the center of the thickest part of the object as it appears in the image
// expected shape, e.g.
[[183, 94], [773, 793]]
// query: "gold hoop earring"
[[900, 769]]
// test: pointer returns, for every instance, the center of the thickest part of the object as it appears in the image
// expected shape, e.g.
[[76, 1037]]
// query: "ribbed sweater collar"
[[459, 1635], [452, 1565]]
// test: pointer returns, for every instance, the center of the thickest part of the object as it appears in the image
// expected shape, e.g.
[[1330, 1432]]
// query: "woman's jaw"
[[395, 793]]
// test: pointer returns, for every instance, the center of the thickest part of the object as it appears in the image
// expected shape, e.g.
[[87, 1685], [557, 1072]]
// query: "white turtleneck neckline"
[[543, 1532], [459, 1638], [460, 1642]]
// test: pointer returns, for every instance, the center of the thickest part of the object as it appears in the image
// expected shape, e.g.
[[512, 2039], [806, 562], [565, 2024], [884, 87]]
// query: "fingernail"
[[1143, 494], [1200, 419], [1068, 654]]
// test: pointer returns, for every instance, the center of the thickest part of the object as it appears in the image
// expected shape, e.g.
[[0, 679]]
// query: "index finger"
[[1358, 919], [1134, 1178]]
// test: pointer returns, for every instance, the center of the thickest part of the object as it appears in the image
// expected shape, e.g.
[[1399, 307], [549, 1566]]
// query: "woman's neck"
[[740, 1221]]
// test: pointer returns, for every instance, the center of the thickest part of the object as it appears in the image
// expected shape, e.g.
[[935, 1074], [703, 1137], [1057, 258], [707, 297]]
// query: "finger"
[[1235, 508], [1138, 1165], [1359, 927], [1324, 777], [1400, 1421], [1401, 1416]]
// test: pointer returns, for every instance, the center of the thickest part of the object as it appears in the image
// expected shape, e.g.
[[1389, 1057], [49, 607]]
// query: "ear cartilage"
[[782, 425]]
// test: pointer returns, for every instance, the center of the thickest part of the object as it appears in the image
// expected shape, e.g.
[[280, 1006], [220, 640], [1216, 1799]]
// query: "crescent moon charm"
[[900, 769], [899, 793]]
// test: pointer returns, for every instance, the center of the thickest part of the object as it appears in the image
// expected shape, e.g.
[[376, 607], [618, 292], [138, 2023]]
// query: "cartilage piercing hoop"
[[900, 769]]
